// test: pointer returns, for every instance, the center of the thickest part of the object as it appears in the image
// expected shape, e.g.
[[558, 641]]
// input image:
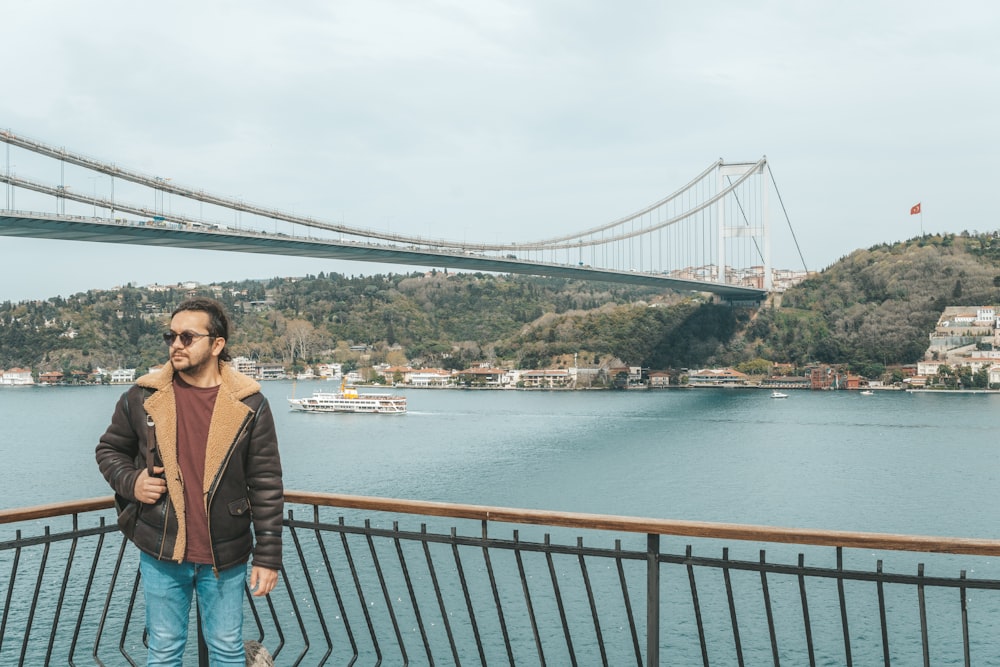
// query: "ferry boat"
[[348, 399]]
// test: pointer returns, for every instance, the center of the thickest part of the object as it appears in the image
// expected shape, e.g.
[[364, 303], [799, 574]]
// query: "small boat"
[[867, 392], [778, 394], [348, 399]]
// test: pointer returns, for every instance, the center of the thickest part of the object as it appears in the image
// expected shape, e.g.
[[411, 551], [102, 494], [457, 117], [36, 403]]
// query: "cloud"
[[516, 120]]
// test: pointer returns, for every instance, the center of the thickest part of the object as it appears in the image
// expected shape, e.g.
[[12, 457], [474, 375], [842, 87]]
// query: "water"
[[893, 462]]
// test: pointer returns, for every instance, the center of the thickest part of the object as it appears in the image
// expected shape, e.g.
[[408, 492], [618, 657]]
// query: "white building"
[[271, 372], [246, 366], [431, 377], [928, 367], [16, 377], [123, 376]]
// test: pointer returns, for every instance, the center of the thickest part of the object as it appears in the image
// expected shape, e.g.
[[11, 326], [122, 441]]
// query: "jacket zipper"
[[215, 481]]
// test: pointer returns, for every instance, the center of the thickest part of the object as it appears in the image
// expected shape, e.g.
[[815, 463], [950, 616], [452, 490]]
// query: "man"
[[213, 473]]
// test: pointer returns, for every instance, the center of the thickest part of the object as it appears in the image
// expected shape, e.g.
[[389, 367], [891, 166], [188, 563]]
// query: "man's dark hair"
[[218, 322]]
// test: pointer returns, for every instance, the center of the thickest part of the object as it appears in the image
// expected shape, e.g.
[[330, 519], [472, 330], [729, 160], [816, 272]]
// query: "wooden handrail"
[[628, 524]]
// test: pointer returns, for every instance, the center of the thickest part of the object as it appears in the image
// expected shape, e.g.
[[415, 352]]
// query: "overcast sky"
[[504, 121]]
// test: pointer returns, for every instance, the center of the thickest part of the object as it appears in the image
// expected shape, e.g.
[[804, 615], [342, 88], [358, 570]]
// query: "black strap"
[[150, 444]]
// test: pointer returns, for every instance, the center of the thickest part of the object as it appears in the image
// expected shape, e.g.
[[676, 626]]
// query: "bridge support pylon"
[[758, 230]]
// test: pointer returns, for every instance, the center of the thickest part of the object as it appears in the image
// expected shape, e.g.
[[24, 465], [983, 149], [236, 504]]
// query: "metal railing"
[[359, 587]]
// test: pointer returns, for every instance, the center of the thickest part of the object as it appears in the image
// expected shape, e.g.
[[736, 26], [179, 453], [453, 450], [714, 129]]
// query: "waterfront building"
[[16, 377], [787, 382], [827, 377], [552, 378], [391, 373], [246, 366], [483, 376], [659, 379], [717, 377], [431, 377], [50, 377], [329, 370], [123, 376], [271, 372]]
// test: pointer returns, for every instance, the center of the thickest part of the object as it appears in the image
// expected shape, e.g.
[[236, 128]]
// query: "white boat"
[[867, 392], [778, 394], [348, 399]]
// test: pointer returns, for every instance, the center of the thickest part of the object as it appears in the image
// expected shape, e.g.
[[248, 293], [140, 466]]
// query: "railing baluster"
[[312, 593], [805, 610], [527, 600], [361, 594], [293, 599], [133, 596], [276, 619], [336, 588], [843, 606], [108, 597], [34, 598], [880, 586], [627, 600], [768, 611], [965, 622], [924, 640], [496, 593], [593, 603], [10, 586], [732, 607], [86, 596], [62, 593], [468, 598], [697, 607], [559, 602], [385, 593], [440, 598], [652, 599], [412, 593]]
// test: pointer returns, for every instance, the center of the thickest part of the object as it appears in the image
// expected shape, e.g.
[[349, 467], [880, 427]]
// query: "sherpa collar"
[[227, 418]]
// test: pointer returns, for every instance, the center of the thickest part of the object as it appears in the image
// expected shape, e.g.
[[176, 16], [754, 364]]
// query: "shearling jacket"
[[242, 482]]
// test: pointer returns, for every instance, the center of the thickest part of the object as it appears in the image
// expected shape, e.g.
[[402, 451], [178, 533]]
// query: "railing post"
[[652, 599]]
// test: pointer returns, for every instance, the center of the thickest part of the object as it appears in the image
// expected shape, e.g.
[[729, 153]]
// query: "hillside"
[[873, 308], [876, 307]]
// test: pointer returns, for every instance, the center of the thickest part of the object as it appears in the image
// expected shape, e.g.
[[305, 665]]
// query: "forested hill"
[[871, 309], [877, 306]]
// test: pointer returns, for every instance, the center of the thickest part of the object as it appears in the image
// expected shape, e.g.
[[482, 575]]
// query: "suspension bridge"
[[712, 235]]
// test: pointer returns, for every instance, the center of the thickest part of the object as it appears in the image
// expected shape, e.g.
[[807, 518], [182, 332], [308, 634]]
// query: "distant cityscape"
[[963, 353]]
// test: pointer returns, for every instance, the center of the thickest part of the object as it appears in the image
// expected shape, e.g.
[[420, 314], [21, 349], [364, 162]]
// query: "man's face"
[[203, 349]]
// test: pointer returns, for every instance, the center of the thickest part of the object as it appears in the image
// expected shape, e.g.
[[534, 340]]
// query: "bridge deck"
[[69, 228]]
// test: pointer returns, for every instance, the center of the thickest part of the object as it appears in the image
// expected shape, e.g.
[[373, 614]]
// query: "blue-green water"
[[893, 462]]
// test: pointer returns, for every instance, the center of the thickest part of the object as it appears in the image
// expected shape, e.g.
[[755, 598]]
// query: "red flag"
[[914, 210]]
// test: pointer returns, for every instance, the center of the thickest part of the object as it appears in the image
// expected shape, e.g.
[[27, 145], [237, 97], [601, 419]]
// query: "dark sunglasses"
[[186, 338]]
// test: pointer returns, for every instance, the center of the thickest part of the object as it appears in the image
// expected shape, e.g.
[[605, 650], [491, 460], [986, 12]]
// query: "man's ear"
[[218, 345]]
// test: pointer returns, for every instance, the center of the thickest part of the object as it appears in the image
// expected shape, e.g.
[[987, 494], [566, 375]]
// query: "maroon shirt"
[[194, 414]]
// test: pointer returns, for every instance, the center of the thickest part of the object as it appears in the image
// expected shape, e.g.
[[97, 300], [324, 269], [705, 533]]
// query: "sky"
[[503, 120]]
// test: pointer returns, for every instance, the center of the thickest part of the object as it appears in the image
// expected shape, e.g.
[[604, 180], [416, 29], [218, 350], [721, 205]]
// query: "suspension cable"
[[780, 201]]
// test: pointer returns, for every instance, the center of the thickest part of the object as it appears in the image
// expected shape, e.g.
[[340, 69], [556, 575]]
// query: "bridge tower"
[[757, 230]]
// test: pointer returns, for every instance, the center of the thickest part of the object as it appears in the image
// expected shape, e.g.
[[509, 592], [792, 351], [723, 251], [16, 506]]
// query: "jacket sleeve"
[[266, 493], [117, 451]]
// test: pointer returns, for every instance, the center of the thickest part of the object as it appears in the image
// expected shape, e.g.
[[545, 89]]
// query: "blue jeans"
[[168, 587]]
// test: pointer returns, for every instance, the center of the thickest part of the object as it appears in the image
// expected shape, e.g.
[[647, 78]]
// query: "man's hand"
[[262, 580], [149, 489]]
